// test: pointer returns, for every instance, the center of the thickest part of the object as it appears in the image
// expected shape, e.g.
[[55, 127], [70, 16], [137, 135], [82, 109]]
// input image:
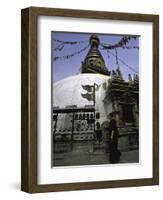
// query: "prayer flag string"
[[123, 62], [70, 55]]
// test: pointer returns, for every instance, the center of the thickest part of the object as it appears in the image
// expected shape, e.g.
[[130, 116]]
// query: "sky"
[[72, 66]]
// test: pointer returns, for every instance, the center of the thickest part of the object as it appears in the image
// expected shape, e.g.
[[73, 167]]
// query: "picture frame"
[[29, 99]]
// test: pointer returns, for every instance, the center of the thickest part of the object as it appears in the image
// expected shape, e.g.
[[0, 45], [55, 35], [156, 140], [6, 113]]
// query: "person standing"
[[98, 132], [115, 154], [105, 136]]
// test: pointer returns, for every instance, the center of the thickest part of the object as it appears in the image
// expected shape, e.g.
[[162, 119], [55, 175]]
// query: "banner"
[[88, 88], [89, 97], [122, 43]]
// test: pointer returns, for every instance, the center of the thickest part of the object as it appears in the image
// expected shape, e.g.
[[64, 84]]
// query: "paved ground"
[[88, 153]]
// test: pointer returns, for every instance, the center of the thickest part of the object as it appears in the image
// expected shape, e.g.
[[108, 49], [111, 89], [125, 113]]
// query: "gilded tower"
[[94, 62]]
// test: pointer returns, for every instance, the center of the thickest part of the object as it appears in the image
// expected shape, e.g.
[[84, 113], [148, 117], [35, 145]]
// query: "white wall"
[[10, 98]]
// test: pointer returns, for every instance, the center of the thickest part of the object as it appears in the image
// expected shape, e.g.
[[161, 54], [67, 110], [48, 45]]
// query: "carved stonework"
[[127, 98], [124, 97]]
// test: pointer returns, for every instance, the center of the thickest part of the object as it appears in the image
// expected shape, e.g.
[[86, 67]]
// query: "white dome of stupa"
[[67, 92]]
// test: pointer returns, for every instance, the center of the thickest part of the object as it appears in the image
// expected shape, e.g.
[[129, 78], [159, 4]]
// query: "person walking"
[[115, 154]]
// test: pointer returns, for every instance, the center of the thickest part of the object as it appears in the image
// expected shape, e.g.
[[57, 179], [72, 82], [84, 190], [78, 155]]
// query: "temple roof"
[[94, 62]]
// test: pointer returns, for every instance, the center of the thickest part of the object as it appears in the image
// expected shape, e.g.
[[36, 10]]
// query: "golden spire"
[[94, 62]]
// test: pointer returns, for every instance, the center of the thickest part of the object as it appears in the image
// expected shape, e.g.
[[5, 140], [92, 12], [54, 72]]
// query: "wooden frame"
[[29, 99]]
